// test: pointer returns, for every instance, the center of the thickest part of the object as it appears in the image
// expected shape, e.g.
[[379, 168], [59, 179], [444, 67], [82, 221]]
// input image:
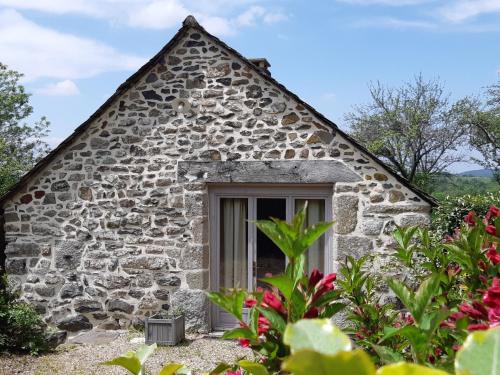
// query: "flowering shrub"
[[291, 296], [453, 288]]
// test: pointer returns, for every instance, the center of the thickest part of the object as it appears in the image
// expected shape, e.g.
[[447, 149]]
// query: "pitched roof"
[[188, 23]]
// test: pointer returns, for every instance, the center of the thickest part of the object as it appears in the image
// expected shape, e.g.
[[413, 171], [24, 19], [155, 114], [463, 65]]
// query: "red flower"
[[481, 265], [492, 296], [263, 325], [244, 342], [322, 290], [312, 313], [478, 327], [328, 279], [315, 277], [490, 229], [270, 300], [469, 219], [479, 306], [494, 317], [492, 212], [250, 302], [471, 311], [237, 372], [409, 319], [493, 255]]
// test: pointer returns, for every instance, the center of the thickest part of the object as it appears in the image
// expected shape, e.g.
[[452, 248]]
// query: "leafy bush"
[[291, 296], [21, 328], [452, 210]]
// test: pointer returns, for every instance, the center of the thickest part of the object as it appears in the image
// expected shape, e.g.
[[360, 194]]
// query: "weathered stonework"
[[115, 227]]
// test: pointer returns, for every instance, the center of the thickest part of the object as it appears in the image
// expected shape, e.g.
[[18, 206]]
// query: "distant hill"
[[477, 173], [459, 184]]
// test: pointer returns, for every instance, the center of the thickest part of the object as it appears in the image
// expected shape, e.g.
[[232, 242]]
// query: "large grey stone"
[[412, 220], [16, 266], [194, 257], [112, 281], [74, 323], [145, 263], [355, 246], [279, 172], [68, 254], [120, 305], [194, 304], [71, 290], [345, 210], [87, 305], [22, 249]]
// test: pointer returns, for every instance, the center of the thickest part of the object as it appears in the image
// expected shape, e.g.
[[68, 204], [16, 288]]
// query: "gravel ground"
[[199, 353]]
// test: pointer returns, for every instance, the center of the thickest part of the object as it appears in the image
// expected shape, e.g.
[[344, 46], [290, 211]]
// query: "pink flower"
[[237, 372], [312, 313], [471, 311], [478, 327], [322, 290], [492, 212], [492, 296], [315, 277], [469, 219], [493, 255], [244, 342], [263, 325], [328, 279], [494, 317], [490, 229], [250, 302], [270, 300]]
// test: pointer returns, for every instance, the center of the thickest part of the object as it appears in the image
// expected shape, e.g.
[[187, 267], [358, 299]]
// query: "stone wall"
[[108, 232]]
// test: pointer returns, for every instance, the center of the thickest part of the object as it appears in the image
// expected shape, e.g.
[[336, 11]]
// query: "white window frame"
[[252, 193]]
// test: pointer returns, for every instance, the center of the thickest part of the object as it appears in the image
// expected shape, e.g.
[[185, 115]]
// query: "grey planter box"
[[167, 331]]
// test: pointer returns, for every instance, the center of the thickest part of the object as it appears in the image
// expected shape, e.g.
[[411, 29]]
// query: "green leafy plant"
[[21, 327], [291, 296], [367, 315], [134, 362]]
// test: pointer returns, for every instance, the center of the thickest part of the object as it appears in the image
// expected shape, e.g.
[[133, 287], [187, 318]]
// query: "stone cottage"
[[149, 203]]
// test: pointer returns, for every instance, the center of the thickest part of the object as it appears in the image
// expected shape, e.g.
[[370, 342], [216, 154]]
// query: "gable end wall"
[[108, 233]]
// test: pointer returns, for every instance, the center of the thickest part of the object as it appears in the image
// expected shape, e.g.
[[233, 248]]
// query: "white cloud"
[[385, 2], [222, 17], [462, 10], [42, 52], [393, 23], [61, 88], [159, 14]]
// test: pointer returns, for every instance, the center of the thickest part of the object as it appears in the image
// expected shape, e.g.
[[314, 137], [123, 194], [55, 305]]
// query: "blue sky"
[[76, 53]]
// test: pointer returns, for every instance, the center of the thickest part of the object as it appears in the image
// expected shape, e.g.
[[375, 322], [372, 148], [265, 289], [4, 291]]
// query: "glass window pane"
[[233, 243], [270, 259], [315, 257]]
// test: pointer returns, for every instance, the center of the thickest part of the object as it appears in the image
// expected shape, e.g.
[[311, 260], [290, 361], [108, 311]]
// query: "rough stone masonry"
[[113, 226]]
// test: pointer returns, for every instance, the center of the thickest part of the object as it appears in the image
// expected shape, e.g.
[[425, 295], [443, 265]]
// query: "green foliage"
[[291, 296], [367, 316], [452, 210], [447, 185], [480, 354], [319, 335], [21, 145], [21, 328], [134, 362]]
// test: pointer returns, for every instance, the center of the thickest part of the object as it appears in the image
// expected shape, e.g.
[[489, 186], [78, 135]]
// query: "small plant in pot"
[[166, 328]]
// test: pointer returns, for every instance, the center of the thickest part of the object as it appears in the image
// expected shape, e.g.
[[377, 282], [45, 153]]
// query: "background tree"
[[413, 128], [485, 131], [21, 145]]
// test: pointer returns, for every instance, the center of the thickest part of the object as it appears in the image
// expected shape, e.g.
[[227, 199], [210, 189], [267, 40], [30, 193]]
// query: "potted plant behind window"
[[165, 328]]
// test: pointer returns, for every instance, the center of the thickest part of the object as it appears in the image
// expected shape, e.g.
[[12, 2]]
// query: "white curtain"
[[233, 238], [315, 213]]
